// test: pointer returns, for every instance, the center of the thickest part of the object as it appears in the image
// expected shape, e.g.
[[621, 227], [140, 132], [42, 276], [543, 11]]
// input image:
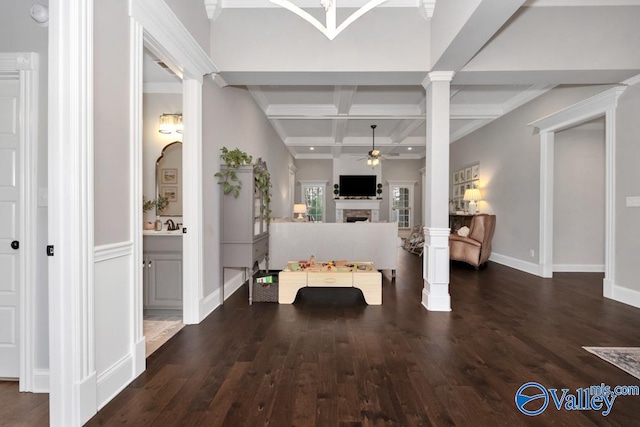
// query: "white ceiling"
[[317, 121], [328, 121]]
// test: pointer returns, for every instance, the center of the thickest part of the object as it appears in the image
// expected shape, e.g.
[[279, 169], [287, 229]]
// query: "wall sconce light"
[[472, 195], [170, 123], [300, 209]]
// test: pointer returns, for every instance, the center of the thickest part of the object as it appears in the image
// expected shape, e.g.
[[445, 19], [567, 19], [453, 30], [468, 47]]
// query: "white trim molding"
[[603, 104], [435, 294], [167, 34], [72, 398], [25, 67]]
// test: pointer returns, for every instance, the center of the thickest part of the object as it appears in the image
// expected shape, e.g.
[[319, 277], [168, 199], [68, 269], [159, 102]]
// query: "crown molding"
[[467, 129], [527, 96], [426, 8], [259, 96], [170, 34]]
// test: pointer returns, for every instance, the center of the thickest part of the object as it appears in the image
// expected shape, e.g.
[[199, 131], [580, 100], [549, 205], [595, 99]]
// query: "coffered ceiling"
[[330, 121]]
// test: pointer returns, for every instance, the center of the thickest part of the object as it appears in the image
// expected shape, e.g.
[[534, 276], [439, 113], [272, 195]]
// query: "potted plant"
[[228, 178]]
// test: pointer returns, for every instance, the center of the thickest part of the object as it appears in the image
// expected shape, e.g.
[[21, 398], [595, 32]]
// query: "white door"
[[9, 228]]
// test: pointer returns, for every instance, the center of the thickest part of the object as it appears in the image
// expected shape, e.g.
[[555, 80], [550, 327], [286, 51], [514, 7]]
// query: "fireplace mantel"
[[372, 205]]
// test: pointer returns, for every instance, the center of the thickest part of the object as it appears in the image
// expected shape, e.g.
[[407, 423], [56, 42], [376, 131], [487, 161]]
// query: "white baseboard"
[[114, 380], [624, 295], [88, 393], [41, 381], [209, 303], [436, 302], [578, 268], [233, 285], [212, 301], [518, 264], [140, 357]]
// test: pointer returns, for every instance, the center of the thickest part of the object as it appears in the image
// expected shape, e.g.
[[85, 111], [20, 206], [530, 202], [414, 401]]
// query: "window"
[[401, 206], [313, 195]]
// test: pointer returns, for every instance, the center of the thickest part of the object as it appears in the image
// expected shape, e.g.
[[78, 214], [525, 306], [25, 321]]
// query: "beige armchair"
[[476, 248]]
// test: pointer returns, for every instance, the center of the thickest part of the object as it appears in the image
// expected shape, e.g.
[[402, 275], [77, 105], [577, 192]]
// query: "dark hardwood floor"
[[331, 360]]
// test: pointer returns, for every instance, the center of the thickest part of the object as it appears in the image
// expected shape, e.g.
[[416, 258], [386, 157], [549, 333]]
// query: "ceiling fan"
[[375, 156]]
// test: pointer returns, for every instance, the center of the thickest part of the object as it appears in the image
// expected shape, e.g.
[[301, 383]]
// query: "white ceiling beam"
[[343, 98], [385, 110], [339, 130], [301, 110], [404, 129], [346, 118], [336, 151], [485, 20], [526, 96]]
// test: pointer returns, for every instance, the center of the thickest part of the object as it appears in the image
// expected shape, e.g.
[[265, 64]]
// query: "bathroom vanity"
[[162, 270]]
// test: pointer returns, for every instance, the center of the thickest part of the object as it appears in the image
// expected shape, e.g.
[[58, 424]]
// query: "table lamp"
[[300, 210], [472, 195]]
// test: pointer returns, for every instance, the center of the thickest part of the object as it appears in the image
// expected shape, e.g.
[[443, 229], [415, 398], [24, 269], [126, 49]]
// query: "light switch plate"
[[633, 201]]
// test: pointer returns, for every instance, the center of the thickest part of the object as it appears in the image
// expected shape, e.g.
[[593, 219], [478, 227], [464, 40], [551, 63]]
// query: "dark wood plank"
[[331, 360]]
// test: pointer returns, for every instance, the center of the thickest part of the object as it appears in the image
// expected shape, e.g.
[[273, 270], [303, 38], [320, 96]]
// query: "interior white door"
[[9, 227]]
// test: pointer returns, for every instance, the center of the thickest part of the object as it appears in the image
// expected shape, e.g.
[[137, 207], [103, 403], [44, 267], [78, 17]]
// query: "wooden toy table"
[[361, 275]]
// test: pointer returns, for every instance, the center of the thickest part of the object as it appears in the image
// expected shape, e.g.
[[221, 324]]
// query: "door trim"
[[602, 104], [25, 66]]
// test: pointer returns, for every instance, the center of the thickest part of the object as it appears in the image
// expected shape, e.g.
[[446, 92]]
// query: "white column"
[[435, 295], [72, 389]]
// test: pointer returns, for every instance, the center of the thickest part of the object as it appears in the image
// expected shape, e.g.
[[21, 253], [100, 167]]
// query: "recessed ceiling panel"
[[362, 128], [456, 125], [307, 128]]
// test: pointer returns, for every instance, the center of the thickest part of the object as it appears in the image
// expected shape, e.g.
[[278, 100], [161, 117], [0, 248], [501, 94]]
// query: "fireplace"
[[365, 209], [354, 215]]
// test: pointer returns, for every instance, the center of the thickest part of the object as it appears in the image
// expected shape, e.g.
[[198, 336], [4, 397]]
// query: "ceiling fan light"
[[369, 161], [375, 162]]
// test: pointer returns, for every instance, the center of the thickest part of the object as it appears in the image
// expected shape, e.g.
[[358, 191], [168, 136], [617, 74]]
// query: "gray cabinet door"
[[164, 281]]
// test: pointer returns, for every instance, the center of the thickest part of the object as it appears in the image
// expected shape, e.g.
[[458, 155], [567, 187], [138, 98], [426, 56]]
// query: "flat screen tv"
[[357, 185]]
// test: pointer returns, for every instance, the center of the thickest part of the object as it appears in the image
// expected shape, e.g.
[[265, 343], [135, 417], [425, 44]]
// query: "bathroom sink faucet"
[[171, 226]]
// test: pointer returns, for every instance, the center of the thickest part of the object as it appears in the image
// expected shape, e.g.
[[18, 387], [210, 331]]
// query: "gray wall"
[[19, 33], [627, 234], [509, 154], [111, 121], [231, 118], [579, 196]]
